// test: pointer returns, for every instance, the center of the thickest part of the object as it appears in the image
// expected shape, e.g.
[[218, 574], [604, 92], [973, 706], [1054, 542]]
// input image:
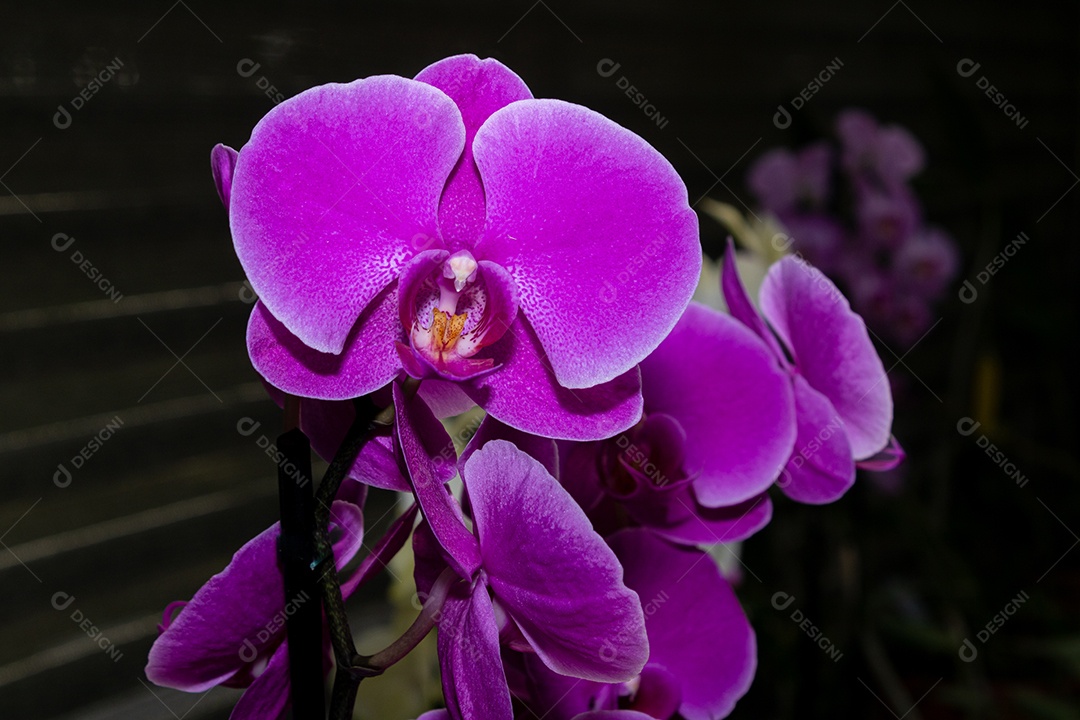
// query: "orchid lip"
[[455, 310]]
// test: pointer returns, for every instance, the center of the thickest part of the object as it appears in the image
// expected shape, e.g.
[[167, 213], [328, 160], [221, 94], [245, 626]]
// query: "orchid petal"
[[676, 514], [887, 459], [659, 692], [542, 449], [525, 394], [474, 684], [427, 448], [223, 165], [739, 305], [222, 628], [594, 226], [367, 362], [326, 422], [724, 387], [446, 399], [479, 88], [551, 571], [697, 630], [331, 191], [832, 350], [821, 469], [269, 695]]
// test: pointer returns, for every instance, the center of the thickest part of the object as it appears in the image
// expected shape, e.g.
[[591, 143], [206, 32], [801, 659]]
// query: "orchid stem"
[[364, 427], [296, 549], [425, 621]]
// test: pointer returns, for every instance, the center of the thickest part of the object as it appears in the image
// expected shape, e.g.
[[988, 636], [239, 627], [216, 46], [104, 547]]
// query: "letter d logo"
[[62, 477], [62, 118], [782, 118]]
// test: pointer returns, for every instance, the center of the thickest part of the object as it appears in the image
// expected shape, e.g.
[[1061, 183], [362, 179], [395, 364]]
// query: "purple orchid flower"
[[786, 182], [886, 220], [888, 153], [927, 263], [843, 402], [232, 632], [702, 650], [545, 581], [719, 427], [391, 224]]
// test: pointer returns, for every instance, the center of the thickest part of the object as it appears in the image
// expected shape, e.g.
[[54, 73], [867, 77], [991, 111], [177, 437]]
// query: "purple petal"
[[579, 472], [678, 516], [739, 305], [697, 629], [551, 571], [368, 361], [268, 696], [524, 394], [548, 694], [887, 459], [473, 681], [821, 469], [542, 449], [446, 399], [593, 225], [832, 350], [218, 632], [479, 88], [614, 715], [223, 165], [725, 388], [427, 450], [330, 193], [326, 423], [659, 692]]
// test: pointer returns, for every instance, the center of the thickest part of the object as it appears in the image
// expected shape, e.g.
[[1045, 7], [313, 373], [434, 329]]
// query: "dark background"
[[895, 578]]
